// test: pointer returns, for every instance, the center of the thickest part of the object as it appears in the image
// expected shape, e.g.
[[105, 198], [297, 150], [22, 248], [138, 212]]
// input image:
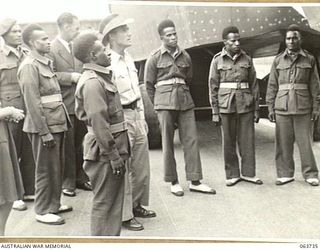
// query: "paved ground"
[[245, 211]]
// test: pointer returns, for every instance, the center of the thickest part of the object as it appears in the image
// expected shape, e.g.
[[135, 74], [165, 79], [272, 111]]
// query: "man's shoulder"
[[156, 52]]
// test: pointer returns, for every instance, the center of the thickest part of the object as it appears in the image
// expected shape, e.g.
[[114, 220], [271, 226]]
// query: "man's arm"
[[272, 90], [254, 86], [29, 81], [314, 89], [150, 77], [189, 72], [214, 83]]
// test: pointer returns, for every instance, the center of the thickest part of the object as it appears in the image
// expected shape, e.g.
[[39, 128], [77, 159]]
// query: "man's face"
[[232, 43], [73, 29], [293, 40], [169, 37], [122, 36], [102, 55], [40, 41], [13, 37]]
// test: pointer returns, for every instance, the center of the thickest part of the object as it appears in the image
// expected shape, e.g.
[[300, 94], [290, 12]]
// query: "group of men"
[[84, 88]]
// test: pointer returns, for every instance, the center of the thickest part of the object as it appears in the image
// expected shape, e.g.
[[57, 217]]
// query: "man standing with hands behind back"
[[68, 69]]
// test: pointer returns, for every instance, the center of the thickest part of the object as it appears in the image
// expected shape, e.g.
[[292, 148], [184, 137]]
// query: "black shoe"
[[85, 186], [68, 192], [132, 225], [141, 212]]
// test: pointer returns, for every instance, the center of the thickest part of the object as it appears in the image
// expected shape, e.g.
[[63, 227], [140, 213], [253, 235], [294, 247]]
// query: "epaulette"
[[155, 51], [216, 55], [279, 54]]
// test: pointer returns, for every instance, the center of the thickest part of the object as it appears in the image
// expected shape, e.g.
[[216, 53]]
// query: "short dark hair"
[[83, 44], [228, 30], [28, 30], [165, 24], [65, 18], [294, 27]]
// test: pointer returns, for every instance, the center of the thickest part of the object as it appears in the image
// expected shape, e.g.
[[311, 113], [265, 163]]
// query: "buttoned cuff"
[[215, 110]]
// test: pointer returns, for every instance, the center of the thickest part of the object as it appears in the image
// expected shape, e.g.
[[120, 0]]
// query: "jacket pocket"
[[54, 113], [303, 99], [247, 98], [163, 95], [9, 70], [303, 72], [281, 102], [223, 97], [187, 95]]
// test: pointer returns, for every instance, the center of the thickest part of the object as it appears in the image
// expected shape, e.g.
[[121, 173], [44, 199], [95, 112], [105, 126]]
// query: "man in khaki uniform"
[[234, 97], [11, 55], [46, 123], [168, 75], [106, 145], [292, 98]]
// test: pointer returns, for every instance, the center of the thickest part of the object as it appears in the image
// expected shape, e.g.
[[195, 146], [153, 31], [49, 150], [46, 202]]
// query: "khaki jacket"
[[98, 106], [225, 69], [293, 86], [37, 79], [10, 93]]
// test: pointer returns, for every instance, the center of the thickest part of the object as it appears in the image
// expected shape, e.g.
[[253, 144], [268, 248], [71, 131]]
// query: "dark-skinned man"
[[125, 77], [292, 98], [234, 97], [67, 69], [11, 56], [168, 74], [106, 145], [45, 123]]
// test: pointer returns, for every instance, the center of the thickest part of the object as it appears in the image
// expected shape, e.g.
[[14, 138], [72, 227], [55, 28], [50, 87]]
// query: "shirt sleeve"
[[214, 83], [314, 85], [189, 72], [254, 85], [97, 111], [272, 88], [29, 81], [150, 77]]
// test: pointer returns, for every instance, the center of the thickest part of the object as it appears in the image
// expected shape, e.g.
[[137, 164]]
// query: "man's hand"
[[75, 77], [48, 141], [12, 114], [272, 117], [216, 119], [314, 116], [118, 167], [256, 116]]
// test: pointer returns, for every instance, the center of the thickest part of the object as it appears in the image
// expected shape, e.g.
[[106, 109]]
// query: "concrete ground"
[[245, 211]]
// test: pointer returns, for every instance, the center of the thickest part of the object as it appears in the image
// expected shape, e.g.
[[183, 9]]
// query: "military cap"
[[6, 24], [165, 24], [228, 30], [116, 22], [105, 21]]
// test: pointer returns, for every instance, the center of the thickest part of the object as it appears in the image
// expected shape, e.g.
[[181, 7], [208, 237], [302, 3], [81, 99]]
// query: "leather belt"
[[288, 86], [51, 98], [114, 128], [234, 85], [132, 105], [171, 81]]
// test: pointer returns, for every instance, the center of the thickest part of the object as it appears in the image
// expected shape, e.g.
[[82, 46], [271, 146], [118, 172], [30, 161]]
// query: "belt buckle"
[[238, 85]]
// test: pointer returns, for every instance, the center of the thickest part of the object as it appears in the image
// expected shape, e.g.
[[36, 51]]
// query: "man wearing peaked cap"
[[292, 98], [11, 55], [234, 97], [117, 33], [168, 75]]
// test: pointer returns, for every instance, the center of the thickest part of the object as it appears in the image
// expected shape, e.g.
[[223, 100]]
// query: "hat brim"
[[113, 26]]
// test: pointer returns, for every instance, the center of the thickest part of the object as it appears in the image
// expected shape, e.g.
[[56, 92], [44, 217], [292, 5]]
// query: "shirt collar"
[[164, 50], [224, 52], [115, 57], [7, 49], [300, 52], [40, 58], [97, 68], [64, 43]]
